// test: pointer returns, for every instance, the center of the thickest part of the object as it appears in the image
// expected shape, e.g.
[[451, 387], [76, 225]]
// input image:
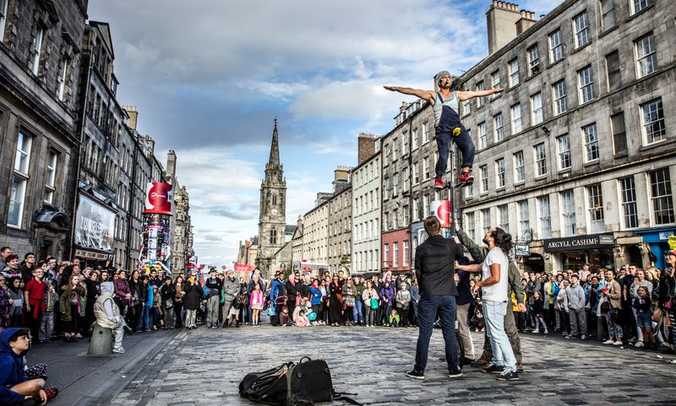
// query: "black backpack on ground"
[[302, 384]]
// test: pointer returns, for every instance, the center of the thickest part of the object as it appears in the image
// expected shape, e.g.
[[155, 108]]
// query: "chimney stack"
[[171, 165], [366, 147], [501, 19], [341, 178], [525, 22]]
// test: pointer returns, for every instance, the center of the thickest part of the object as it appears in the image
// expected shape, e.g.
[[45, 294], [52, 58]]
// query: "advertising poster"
[[94, 226]]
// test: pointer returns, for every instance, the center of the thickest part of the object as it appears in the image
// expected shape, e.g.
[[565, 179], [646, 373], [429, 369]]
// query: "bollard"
[[101, 342]]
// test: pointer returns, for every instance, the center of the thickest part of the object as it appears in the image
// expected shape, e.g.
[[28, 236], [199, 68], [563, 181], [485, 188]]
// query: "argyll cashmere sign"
[[582, 242]]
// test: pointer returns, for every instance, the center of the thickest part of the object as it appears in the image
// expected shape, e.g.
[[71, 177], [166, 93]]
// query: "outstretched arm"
[[423, 94], [467, 95]]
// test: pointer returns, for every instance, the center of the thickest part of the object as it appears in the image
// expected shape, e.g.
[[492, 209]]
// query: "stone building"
[[366, 198], [272, 210], [577, 157], [340, 222], [315, 254], [40, 57], [248, 252], [182, 249]]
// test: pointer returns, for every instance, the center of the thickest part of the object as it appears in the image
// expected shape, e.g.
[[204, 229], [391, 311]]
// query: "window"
[[482, 135], [486, 219], [519, 167], [3, 18], [469, 225], [533, 60], [386, 253], [395, 254], [628, 192], [555, 47], [567, 213], [63, 79], [503, 217], [652, 121], [483, 174], [613, 71], [499, 128], [19, 179], [591, 143], [479, 100], [406, 253], [395, 184], [595, 204], [425, 133], [563, 145], [469, 191], [619, 134], [639, 5], [495, 83], [536, 112], [515, 111], [426, 167], [51, 177], [513, 72], [660, 194], [500, 172], [544, 217], [581, 26], [414, 173], [585, 84], [414, 139], [560, 102], [540, 159], [607, 8], [524, 223], [37, 50], [646, 56]]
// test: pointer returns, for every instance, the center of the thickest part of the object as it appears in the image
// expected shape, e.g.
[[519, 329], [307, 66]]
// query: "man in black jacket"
[[434, 266], [214, 286]]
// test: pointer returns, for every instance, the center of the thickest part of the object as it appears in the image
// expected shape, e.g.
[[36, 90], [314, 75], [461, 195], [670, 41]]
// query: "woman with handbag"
[[349, 300], [335, 302], [370, 298]]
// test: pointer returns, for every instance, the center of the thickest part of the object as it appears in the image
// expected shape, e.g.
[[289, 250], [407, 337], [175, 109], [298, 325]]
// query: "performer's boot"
[[466, 177], [438, 183]]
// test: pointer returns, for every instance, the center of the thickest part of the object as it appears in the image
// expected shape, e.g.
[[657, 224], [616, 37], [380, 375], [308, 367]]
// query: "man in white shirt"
[[494, 282]]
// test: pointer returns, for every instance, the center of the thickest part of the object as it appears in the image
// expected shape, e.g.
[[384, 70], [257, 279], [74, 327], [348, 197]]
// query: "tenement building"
[[340, 222], [40, 56], [314, 255], [366, 198], [577, 158]]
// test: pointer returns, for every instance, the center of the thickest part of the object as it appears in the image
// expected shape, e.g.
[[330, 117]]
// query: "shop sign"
[[582, 242], [522, 250], [442, 210]]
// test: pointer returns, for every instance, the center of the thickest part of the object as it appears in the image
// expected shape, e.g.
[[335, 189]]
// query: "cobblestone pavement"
[[204, 367]]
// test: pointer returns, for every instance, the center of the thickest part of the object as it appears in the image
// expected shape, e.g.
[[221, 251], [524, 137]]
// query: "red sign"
[[442, 210], [158, 198], [243, 267]]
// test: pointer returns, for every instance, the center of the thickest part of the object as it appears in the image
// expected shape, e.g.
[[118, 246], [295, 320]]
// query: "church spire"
[[273, 161]]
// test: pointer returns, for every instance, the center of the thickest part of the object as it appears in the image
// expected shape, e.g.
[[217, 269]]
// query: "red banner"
[[158, 198], [244, 267]]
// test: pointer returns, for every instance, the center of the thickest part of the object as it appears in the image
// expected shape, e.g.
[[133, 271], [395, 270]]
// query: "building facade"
[[272, 210], [315, 254], [577, 157], [340, 223], [40, 57], [366, 198]]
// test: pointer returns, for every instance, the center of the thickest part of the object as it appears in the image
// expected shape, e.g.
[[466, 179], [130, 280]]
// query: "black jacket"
[[434, 266]]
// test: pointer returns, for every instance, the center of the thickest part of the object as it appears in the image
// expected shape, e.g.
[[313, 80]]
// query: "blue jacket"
[[11, 369], [316, 296]]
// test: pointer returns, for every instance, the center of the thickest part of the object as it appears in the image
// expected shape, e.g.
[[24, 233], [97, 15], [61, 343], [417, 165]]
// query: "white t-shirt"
[[497, 292]]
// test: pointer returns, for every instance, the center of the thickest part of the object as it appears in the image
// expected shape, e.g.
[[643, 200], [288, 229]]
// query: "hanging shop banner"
[[94, 225], [442, 210], [158, 198], [156, 237], [582, 242]]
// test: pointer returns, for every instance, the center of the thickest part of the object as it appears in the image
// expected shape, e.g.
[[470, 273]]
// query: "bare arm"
[[493, 279], [423, 94], [467, 95], [469, 268]]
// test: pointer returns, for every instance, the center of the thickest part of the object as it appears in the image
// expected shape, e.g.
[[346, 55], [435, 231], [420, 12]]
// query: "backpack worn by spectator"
[[292, 384]]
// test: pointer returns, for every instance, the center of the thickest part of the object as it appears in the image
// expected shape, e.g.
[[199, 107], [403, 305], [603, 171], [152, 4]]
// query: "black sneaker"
[[415, 374], [455, 374], [509, 376], [466, 361], [493, 369]]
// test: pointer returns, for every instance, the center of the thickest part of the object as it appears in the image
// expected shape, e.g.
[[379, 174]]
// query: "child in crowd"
[[256, 304], [394, 318], [643, 306], [284, 316], [539, 312], [49, 305]]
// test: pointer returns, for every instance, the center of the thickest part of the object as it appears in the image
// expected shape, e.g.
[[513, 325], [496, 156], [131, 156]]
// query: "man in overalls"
[[445, 103]]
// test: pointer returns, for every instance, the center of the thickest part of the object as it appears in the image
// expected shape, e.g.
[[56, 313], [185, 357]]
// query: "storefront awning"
[[51, 217]]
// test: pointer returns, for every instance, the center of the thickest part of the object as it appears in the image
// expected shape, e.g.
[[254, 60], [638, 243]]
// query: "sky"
[[209, 76]]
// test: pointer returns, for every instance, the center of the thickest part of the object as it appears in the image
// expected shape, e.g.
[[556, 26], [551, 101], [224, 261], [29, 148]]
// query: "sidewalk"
[[84, 380]]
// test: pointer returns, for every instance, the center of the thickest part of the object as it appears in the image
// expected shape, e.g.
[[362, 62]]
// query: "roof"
[[289, 229], [107, 36]]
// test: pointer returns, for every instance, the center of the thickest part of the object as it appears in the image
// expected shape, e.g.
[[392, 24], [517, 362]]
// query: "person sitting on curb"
[[15, 387], [108, 315]]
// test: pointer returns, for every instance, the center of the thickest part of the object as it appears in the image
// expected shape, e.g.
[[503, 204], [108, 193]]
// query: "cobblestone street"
[[204, 367]]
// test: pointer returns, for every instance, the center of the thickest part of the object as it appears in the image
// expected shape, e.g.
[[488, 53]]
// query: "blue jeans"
[[494, 316], [146, 317], [358, 311], [428, 309], [465, 145]]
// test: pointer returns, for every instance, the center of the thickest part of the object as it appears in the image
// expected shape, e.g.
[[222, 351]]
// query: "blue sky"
[[209, 76]]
